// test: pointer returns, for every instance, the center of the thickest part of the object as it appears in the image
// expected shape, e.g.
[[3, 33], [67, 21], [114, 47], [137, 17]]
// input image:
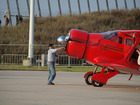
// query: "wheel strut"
[[103, 76]]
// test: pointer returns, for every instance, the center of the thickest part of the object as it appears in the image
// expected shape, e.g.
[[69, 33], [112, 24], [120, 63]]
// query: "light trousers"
[[52, 72]]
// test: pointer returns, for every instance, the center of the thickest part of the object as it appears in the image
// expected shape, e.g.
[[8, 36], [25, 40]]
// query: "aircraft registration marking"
[[115, 49]]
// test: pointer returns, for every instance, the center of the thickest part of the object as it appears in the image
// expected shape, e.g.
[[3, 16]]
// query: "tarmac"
[[30, 88]]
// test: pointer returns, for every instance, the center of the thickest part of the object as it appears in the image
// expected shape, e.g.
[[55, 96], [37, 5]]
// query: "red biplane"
[[114, 51]]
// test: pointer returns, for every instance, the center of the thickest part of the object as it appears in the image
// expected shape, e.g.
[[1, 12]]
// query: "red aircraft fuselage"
[[114, 50], [115, 47]]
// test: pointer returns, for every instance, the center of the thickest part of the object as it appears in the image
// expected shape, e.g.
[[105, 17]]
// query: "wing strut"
[[130, 77]]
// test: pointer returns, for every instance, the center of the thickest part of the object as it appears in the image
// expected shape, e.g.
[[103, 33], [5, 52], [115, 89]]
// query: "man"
[[17, 21], [20, 18], [0, 22], [138, 51], [51, 62], [6, 20]]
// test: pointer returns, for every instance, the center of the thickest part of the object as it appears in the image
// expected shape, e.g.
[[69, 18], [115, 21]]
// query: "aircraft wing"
[[120, 68]]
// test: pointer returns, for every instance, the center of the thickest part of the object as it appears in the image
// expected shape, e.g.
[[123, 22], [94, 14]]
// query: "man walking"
[[51, 62], [138, 51]]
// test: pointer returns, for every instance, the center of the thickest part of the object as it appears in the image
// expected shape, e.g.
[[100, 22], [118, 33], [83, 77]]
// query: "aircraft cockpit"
[[112, 36], [109, 35]]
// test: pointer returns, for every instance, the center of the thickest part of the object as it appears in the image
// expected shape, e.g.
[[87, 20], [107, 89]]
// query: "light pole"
[[31, 33]]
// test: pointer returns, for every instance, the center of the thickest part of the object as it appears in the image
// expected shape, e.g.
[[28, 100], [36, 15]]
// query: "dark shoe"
[[50, 83]]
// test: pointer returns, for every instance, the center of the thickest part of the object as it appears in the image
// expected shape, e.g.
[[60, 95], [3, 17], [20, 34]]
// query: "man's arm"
[[138, 56], [61, 48]]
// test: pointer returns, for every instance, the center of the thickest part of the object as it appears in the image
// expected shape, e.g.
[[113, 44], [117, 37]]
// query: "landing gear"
[[97, 84], [98, 79], [88, 79]]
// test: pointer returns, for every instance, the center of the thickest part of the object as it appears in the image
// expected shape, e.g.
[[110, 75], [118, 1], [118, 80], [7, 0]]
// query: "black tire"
[[88, 79], [97, 84]]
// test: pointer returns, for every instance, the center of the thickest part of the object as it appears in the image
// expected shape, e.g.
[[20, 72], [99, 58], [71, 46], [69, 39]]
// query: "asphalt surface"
[[30, 88]]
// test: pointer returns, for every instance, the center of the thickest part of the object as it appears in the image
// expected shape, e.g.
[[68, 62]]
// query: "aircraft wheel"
[[88, 79], [97, 84]]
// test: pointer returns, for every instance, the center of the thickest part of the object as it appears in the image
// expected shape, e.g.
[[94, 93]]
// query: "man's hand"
[[56, 54], [138, 52]]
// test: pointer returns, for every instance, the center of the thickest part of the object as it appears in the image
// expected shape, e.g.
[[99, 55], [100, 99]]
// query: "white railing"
[[62, 60]]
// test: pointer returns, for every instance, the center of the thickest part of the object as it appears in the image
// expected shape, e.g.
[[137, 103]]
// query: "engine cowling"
[[76, 43]]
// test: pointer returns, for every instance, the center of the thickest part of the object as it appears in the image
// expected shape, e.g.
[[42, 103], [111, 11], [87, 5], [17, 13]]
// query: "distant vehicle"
[[114, 51]]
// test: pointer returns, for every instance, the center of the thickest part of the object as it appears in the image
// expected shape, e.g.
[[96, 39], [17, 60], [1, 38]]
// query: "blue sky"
[[64, 7]]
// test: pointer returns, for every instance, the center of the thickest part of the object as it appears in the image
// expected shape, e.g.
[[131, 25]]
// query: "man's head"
[[51, 45]]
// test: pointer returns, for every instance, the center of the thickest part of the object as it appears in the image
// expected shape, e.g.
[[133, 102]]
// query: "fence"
[[23, 49], [12, 58], [15, 53], [69, 6], [62, 60]]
